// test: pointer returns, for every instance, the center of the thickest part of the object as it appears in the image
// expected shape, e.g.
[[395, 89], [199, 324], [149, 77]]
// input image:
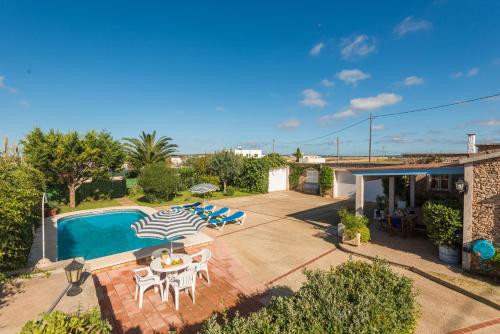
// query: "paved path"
[[285, 231]]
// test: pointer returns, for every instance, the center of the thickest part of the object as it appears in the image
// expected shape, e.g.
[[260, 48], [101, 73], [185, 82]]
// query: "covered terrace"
[[412, 170]]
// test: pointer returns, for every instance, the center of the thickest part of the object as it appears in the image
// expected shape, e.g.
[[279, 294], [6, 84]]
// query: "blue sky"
[[219, 74]]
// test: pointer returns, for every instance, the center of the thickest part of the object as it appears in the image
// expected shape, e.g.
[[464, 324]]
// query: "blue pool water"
[[95, 235]]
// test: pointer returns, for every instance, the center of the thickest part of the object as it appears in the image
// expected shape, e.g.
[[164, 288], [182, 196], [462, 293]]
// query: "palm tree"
[[147, 150]]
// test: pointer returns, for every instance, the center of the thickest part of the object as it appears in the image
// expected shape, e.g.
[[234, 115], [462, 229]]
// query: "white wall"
[[278, 179], [345, 186]]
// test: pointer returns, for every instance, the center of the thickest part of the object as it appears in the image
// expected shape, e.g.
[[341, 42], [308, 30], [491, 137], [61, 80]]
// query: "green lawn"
[[185, 197], [90, 205]]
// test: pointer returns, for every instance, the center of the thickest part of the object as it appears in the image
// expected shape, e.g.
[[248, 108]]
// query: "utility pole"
[[273, 144], [370, 141], [337, 149]]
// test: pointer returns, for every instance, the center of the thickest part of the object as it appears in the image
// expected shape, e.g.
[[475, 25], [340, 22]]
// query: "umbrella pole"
[[171, 250]]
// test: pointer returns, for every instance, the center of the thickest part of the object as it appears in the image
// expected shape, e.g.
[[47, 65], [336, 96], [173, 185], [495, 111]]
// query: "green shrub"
[[294, 177], [59, 322], [20, 199], [495, 261], [325, 179], [212, 179], [254, 175], [158, 182], [187, 178], [230, 191], [105, 188], [443, 222], [355, 224], [355, 297]]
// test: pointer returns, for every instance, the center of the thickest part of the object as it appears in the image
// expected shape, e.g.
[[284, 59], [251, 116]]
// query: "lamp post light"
[[44, 201], [461, 186], [73, 275]]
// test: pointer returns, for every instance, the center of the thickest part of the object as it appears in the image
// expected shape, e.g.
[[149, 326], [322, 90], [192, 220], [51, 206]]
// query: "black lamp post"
[[461, 186], [73, 275]]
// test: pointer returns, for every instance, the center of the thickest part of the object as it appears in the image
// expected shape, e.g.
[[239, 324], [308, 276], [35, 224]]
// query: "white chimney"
[[471, 143]]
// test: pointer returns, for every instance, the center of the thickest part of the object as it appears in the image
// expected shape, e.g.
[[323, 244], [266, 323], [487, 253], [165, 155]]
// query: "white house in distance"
[[248, 153], [312, 159]]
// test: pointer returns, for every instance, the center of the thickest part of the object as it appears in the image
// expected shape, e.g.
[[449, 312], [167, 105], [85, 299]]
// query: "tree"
[[158, 182], [298, 154], [147, 150], [226, 165], [72, 158]]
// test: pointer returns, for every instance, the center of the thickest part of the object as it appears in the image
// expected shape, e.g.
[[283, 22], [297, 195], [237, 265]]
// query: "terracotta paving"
[[231, 289]]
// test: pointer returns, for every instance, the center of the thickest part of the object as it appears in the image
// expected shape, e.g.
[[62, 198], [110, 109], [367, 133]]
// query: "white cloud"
[[289, 124], [312, 99], [473, 72], [411, 24], [490, 122], [357, 46], [352, 77], [470, 73], [378, 127], [4, 86], [23, 103], [375, 102], [316, 50], [413, 81], [219, 108], [342, 114], [327, 83]]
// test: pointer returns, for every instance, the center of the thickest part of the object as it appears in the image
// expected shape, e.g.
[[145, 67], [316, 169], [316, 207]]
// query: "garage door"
[[278, 179]]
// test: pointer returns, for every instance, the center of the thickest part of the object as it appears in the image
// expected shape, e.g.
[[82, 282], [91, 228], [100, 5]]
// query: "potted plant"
[[444, 224], [356, 227]]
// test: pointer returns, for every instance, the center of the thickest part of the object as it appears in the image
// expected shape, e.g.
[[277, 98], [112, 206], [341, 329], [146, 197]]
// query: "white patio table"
[[171, 271]]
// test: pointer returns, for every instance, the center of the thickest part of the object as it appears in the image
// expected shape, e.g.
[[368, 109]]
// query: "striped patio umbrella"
[[203, 188], [168, 225]]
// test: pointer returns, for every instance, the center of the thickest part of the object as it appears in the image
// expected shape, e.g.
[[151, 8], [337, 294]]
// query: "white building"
[[312, 159], [248, 153], [176, 161]]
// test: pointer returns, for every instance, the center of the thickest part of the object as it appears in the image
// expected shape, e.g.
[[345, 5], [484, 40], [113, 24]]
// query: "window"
[[439, 182], [312, 176]]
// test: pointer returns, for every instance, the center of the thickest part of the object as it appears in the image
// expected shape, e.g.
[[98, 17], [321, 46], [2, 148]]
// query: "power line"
[[394, 114], [438, 106]]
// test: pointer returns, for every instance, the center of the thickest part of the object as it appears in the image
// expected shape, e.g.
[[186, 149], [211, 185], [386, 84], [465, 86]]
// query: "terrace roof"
[[410, 169]]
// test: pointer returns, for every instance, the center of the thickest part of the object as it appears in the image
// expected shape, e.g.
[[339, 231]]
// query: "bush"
[[495, 261], [325, 179], [212, 179], [444, 224], [230, 191], [187, 178], [158, 182], [20, 199], [294, 177], [254, 176], [59, 322], [355, 224], [355, 297], [101, 188]]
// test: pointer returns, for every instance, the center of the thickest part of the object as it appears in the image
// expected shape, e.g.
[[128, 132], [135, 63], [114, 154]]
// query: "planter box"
[[355, 242], [449, 255]]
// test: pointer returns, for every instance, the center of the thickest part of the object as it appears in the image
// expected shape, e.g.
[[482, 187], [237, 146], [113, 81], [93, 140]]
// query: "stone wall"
[[486, 200]]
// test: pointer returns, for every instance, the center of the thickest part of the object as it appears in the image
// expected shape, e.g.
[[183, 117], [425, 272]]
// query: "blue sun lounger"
[[208, 208], [222, 212], [185, 207], [237, 217]]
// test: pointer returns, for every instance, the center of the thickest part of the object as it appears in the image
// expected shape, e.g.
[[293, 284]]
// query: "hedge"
[[115, 188], [20, 199], [326, 177], [254, 176], [355, 297], [58, 322]]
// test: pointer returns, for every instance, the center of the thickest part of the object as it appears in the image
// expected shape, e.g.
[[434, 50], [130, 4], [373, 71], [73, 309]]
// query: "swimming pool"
[[99, 234]]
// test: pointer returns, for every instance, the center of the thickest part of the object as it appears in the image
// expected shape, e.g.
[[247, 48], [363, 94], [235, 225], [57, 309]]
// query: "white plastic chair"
[[142, 283], [202, 265], [185, 280]]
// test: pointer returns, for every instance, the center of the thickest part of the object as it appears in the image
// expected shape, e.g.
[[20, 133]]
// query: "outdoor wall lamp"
[[461, 186], [73, 275]]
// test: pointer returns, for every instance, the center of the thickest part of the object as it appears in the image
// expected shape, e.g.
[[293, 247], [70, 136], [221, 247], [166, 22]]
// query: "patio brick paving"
[[231, 288]]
